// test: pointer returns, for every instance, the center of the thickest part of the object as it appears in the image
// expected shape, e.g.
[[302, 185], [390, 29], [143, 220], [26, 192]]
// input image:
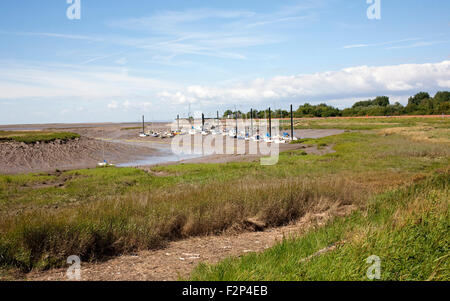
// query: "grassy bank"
[[105, 212], [407, 228], [31, 137], [367, 123]]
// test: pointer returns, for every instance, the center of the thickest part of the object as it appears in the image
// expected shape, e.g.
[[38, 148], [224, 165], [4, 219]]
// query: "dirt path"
[[179, 258]]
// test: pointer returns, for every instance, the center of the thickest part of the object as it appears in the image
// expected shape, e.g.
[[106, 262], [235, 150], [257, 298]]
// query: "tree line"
[[420, 104]]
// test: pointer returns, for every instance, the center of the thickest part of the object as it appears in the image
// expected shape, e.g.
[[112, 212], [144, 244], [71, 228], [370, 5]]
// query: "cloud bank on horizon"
[[144, 58], [123, 91]]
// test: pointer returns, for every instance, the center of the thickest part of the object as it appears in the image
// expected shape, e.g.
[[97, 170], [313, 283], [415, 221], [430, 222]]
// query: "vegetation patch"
[[31, 137], [406, 228], [131, 128]]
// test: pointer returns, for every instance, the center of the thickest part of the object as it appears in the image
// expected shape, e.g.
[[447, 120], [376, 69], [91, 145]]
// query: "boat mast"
[[292, 125], [251, 121], [218, 122]]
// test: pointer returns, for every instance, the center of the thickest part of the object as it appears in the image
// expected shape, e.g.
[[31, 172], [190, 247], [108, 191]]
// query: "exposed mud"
[[18, 157]]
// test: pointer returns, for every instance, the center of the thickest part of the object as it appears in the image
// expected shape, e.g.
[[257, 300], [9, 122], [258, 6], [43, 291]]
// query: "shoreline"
[[122, 148]]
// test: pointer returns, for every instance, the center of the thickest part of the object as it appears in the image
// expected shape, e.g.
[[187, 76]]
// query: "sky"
[[124, 59]]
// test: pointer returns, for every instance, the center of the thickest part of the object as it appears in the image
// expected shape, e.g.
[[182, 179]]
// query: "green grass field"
[[104, 212], [30, 137]]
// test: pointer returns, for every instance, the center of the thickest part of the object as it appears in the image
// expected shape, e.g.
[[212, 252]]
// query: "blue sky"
[[123, 59]]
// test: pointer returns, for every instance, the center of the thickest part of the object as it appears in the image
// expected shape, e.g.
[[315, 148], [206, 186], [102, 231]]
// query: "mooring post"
[[203, 122], [292, 125], [270, 123]]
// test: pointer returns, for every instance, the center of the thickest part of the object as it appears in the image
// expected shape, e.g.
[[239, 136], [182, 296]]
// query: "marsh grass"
[[32, 137], [131, 128], [407, 228], [42, 238], [370, 123]]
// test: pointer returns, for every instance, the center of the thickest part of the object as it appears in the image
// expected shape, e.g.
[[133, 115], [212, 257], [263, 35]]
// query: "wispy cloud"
[[28, 80], [212, 32], [380, 44], [418, 44], [53, 35]]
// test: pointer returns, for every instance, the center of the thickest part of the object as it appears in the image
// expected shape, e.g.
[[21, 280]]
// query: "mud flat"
[[18, 157]]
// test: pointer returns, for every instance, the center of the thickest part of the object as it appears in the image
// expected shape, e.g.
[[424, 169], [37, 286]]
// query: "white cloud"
[[345, 83], [120, 90]]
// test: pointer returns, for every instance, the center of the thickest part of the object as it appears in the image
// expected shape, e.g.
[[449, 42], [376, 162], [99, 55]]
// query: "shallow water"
[[164, 154], [158, 159]]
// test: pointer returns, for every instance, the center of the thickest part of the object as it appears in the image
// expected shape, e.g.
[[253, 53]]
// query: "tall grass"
[[406, 228], [43, 238]]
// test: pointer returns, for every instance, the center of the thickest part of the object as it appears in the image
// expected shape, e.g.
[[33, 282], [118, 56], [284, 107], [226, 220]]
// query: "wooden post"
[[203, 122], [270, 123]]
